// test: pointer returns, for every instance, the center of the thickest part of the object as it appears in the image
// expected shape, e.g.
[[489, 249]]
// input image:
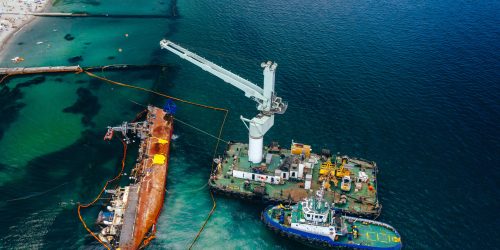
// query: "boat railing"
[[378, 223]]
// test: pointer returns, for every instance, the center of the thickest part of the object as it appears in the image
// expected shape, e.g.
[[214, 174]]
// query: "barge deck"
[[290, 175]]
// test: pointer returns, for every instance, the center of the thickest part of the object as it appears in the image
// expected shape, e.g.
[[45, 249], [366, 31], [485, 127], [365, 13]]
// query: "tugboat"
[[315, 222]]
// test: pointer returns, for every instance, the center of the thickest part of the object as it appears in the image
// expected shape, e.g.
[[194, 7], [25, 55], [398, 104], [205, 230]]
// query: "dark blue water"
[[412, 85]]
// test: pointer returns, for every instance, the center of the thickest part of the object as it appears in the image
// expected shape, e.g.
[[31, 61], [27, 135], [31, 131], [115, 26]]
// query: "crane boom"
[[268, 102], [250, 89]]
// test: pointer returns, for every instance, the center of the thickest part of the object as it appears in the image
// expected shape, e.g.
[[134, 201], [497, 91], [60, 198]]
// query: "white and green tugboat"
[[314, 221]]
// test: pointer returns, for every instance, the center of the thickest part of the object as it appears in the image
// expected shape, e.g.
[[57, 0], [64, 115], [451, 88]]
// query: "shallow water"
[[410, 85]]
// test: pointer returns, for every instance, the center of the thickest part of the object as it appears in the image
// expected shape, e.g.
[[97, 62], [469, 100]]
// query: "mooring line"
[[187, 191], [37, 193], [4, 77], [199, 130], [187, 124], [154, 92], [211, 194]]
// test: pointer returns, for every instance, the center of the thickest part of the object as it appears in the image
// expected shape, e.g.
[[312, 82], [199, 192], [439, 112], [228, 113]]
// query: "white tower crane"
[[267, 102]]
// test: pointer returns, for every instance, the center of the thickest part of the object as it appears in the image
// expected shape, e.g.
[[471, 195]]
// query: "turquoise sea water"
[[412, 85]]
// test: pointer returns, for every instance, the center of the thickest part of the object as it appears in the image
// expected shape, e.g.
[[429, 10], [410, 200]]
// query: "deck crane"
[[268, 103]]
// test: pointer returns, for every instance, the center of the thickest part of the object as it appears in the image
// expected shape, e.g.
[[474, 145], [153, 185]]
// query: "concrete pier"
[[37, 70], [59, 14], [6, 72], [83, 14]]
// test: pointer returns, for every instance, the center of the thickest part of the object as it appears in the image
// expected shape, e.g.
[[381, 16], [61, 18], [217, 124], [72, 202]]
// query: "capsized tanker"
[[129, 220]]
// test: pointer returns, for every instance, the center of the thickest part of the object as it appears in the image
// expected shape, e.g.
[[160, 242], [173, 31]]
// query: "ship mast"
[[268, 103]]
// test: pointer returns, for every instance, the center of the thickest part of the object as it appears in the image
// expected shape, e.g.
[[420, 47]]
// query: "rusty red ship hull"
[[130, 220], [152, 171]]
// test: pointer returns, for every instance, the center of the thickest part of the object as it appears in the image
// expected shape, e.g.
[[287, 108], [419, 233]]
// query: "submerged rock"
[[69, 37], [75, 59], [87, 104]]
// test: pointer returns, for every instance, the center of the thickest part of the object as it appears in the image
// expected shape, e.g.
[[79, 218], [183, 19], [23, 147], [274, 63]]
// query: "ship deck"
[[361, 201], [374, 235], [127, 230]]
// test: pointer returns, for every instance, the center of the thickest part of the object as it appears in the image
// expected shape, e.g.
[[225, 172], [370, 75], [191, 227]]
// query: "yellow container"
[[299, 148], [159, 159]]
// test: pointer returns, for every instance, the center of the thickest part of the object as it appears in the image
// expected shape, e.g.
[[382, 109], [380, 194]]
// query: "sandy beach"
[[15, 14]]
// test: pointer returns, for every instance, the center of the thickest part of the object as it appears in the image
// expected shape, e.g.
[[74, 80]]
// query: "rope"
[[154, 92], [99, 196], [4, 77], [187, 124], [204, 132], [211, 194], [37, 193], [187, 191]]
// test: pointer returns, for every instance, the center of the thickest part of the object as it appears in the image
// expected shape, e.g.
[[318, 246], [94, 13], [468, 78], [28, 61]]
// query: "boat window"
[[293, 174], [316, 216], [253, 176]]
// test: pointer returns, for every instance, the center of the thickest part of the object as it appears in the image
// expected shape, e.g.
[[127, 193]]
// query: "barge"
[[129, 221], [288, 175]]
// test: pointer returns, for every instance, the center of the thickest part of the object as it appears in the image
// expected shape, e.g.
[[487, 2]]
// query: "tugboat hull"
[[323, 241]]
